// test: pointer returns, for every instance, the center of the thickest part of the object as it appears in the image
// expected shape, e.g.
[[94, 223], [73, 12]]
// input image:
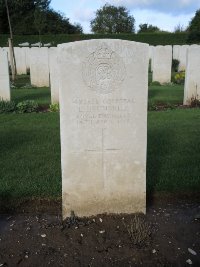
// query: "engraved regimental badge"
[[103, 70]]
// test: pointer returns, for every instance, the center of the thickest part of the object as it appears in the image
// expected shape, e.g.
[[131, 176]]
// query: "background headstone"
[[27, 53], [103, 120], [54, 74], [192, 77], [176, 49], [4, 76], [20, 58], [182, 57], [39, 66], [162, 63]]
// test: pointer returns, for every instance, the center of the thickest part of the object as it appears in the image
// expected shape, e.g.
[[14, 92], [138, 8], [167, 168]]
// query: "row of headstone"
[[42, 63], [162, 57]]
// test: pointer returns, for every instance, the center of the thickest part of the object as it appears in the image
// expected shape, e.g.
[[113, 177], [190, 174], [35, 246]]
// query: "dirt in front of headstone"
[[169, 235]]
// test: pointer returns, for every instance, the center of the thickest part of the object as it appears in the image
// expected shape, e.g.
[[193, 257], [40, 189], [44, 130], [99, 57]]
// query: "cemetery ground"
[[31, 229]]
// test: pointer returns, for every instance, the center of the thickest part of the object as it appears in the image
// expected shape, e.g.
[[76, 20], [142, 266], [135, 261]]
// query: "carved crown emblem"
[[104, 53], [103, 70]]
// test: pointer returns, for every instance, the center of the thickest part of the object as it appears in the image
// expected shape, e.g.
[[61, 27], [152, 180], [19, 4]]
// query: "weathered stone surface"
[[162, 62], [182, 57], [176, 49], [103, 117], [192, 78], [39, 66], [4, 76], [27, 53], [8, 53], [20, 58], [54, 74]]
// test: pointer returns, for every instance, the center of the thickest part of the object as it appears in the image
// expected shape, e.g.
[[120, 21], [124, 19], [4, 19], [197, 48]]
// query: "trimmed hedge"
[[150, 38]]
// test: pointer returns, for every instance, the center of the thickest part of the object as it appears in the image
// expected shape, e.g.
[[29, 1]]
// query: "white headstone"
[[162, 64], [4, 76], [8, 52], [27, 53], [182, 57], [54, 74], [176, 49], [24, 44], [103, 116], [20, 58], [192, 78], [39, 66]]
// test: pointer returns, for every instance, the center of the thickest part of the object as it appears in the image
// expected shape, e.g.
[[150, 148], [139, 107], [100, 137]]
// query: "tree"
[[194, 29], [194, 25], [39, 21], [111, 19], [146, 28], [179, 28], [34, 16]]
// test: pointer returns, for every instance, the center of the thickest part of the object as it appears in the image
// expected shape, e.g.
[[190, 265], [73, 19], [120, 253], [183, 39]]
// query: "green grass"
[[24, 91], [30, 154], [40, 95], [166, 95], [173, 150]]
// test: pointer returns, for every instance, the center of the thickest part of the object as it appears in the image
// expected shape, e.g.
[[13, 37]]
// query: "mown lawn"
[[158, 95], [166, 95], [40, 95], [30, 153], [23, 90]]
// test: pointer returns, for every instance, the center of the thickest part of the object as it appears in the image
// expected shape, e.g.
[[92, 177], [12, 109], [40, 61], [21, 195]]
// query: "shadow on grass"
[[158, 147], [40, 95], [12, 141]]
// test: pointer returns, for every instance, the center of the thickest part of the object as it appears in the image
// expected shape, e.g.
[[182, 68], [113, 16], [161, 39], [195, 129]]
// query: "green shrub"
[[179, 77], [54, 107], [175, 65], [7, 106], [27, 106], [155, 83], [150, 38]]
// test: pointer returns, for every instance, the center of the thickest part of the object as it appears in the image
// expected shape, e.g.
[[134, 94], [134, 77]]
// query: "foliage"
[[150, 38], [194, 25], [155, 83], [179, 28], [194, 37], [111, 19], [179, 77], [40, 21], [147, 28], [7, 106], [27, 106], [194, 28], [54, 107], [28, 17], [175, 64]]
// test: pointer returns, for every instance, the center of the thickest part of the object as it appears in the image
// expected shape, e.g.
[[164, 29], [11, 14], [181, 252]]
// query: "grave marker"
[[103, 120]]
